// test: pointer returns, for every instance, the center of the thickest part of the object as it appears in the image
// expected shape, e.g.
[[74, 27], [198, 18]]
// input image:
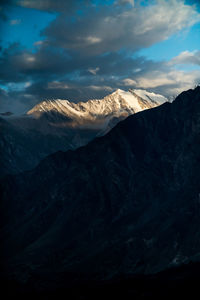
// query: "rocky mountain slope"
[[60, 125], [127, 203]]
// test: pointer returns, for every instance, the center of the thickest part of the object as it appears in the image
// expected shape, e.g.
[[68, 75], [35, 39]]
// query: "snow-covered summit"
[[97, 112], [55, 125], [149, 96]]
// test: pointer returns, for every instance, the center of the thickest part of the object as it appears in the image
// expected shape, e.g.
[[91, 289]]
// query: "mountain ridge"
[[116, 103], [126, 203], [60, 125]]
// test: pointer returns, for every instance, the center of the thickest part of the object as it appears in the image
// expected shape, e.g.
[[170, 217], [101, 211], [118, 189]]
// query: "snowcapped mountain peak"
[[97, 113], [54, 125], [149, 96], [118, 91]]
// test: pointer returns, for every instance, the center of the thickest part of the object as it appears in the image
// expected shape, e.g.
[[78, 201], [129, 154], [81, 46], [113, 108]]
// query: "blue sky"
[[165, 50], [84, 49], [22, 26]]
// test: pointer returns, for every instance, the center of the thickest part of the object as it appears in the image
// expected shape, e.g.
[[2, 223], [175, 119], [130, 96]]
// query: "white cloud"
[[164, 79], [186, 57], [27, 84], [137, 70], [93, 71], [155, 79], [38, 43], [15, 22], [57, 85], [30, 58], [129, 82], [93, 40], [174, 77], [101, 88], [122, 2], [19, 86]]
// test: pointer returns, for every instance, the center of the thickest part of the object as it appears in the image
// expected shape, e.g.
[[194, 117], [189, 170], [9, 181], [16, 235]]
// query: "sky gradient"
[[83, 49]]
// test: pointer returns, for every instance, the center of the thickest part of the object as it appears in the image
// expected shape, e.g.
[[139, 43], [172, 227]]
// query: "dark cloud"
[[4, 7], [66, 6], [111, 29], [16, 102], [3, 15], [53, 63], [123, 2], [168, 83], [17, 64]]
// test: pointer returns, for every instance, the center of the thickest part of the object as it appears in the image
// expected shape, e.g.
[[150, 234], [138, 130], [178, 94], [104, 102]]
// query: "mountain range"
[[54, 125], [127, 203]]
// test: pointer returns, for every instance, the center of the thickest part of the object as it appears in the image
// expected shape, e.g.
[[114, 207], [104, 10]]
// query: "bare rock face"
[[61, 125], [126, 203]]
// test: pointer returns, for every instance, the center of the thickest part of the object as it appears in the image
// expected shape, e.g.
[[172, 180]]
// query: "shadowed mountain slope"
[[126, 203]]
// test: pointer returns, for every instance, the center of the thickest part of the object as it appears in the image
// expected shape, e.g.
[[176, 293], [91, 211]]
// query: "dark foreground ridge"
[[126, 204], [176, 283]]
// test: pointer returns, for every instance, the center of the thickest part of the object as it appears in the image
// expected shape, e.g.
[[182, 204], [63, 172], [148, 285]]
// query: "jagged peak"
[[133, 100]]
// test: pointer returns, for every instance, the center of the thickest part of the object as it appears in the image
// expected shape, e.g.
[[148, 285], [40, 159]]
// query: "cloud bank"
[[91, 49]]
